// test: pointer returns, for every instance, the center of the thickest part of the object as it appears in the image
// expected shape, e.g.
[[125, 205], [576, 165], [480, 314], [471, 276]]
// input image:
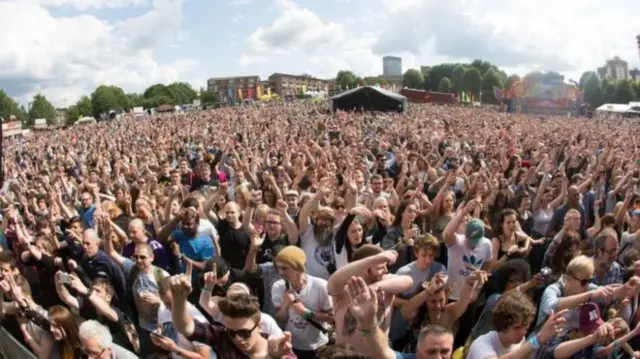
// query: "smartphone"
[[156, 335], [64, 278]]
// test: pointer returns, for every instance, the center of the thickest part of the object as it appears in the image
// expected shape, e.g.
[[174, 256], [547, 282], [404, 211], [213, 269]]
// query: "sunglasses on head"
[[241, 333]]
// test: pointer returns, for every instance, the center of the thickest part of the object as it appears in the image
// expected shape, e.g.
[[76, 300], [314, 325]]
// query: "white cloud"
[[66, 57], [296, 29], [88, 4], [247, 60], [241, 2], [237, 18], [567, 36]]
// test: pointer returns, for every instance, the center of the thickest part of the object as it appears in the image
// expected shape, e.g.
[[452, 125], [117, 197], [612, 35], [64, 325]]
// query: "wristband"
[[366, 332], [89, 292], [616, 347], [534, 342], [308, 315], [209, 287]]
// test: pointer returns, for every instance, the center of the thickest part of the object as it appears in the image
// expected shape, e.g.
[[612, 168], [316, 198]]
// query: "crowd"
[[282, 231]]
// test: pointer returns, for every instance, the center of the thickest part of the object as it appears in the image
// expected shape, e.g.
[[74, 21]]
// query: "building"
[[424, 70], [391, 66], [615, 68], [222, 85], [634, 75], [284, 84]]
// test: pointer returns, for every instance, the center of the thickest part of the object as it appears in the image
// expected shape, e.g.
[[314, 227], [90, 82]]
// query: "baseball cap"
[[291, 193], [590, 318], [474, 230]]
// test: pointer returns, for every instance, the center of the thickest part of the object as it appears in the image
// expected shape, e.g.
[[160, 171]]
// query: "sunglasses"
[[272, 222], [583, 282], [339, 206], [241, 333]]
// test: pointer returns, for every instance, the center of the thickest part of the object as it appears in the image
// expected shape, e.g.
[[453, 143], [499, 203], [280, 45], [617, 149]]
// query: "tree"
[[444, 85], [9, 107], [181, 93], [436, 73], [635, 85], [84, 107], [134, 100], [41, 108], [456, 78], [108, 98], [490, 80], [608, 88], [208, 98], [593, 91], [583, 78], [346, 79], [623, 92], [373, 80], [412, 78], [73, 114], [472, 82]]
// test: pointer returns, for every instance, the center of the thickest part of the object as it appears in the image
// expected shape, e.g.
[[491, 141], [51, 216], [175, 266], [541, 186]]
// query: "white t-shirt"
[[164, 319], [489, 346], [314, 296], [318, 257], [462, 261]]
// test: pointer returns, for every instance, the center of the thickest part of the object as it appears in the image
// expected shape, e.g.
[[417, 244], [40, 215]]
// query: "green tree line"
[[479, 77], [104, 99]]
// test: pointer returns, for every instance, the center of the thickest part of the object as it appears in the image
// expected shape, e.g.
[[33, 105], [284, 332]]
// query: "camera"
[[546, 271]]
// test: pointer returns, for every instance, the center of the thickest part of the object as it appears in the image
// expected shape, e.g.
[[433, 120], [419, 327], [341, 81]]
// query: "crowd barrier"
[[10, 348]]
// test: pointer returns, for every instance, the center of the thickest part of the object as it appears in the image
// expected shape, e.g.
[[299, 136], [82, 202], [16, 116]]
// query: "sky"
[[66, 48]]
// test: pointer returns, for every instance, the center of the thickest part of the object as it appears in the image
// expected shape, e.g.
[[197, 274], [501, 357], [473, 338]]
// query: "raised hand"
[[553, 326], [280, 346], [282, 206], [181, 284], [256, 240], [364, 302], [211, 278]]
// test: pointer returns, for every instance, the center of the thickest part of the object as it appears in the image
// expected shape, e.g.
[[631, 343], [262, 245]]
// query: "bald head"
[[573, 194], [137, 231], [90, 242], [232, 212]]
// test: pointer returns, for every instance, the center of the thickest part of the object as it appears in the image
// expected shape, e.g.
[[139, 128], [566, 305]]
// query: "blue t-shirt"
[[197, 249], [87, 215], [405, 356]]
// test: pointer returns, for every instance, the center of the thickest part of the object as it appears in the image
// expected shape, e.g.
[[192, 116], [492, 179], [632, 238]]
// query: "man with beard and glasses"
[[607, 270], [317, 237]]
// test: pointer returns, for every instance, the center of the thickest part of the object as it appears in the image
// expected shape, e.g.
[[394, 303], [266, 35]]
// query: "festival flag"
[[326, 88], [304, 88], [259, 91], [250, 93], [240, 94], [268, 91]]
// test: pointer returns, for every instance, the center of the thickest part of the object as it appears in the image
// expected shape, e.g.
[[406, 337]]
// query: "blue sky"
[[65, 48]]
